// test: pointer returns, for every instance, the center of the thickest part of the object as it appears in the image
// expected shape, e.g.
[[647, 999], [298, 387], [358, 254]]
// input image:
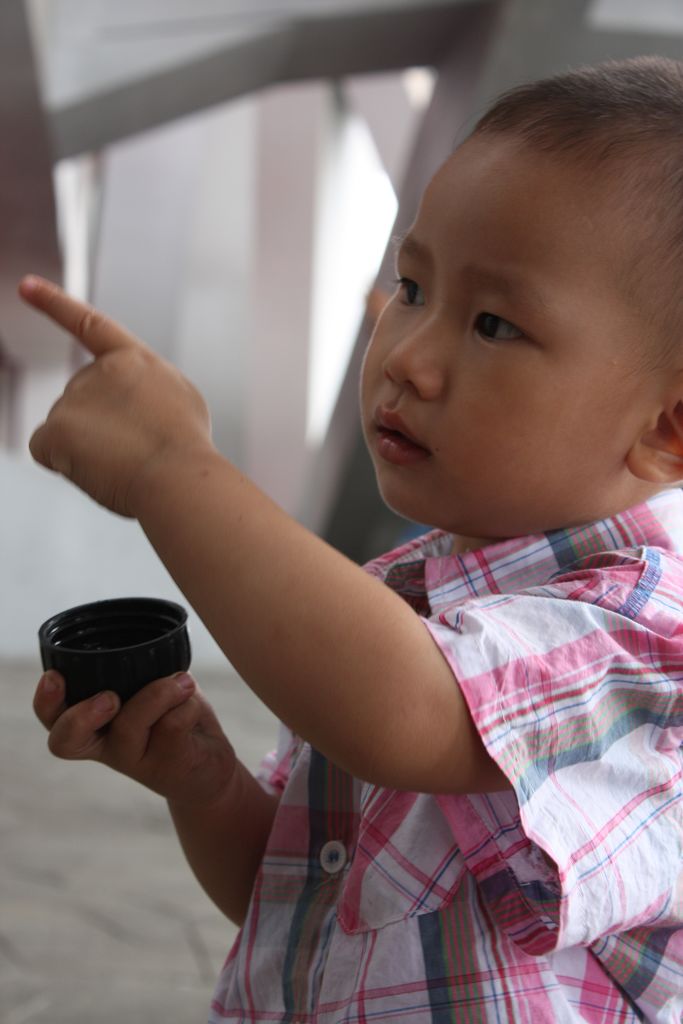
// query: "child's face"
[[498, 392]]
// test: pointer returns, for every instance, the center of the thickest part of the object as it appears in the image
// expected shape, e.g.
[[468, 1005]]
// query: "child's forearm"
[[224, 844], [335, 654]]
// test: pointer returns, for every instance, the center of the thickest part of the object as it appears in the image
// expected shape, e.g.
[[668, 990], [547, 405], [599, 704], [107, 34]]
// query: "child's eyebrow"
[[515, 286], [408, 245]]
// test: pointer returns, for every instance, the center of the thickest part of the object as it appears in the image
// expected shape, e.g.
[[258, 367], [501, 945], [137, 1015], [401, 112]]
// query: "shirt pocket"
[[406, 861]]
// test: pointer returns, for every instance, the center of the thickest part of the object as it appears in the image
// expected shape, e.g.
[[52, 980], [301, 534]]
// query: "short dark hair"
[[626, 118]]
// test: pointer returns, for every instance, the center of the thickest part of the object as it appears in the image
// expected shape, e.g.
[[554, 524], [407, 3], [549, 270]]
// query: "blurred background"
[[225, 177]]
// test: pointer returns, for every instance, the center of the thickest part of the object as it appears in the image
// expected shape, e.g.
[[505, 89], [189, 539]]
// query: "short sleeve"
[[579, 704], [276, 766]]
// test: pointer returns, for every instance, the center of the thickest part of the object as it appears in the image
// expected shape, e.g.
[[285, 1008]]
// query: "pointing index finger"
[[93, 329]]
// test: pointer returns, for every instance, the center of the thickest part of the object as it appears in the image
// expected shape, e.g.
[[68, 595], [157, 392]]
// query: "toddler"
[[475, 811]]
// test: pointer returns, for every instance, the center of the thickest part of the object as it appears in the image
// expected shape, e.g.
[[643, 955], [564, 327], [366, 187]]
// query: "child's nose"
[[418, 362]]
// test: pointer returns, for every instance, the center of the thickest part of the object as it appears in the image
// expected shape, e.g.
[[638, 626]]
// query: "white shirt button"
[[333, 856]]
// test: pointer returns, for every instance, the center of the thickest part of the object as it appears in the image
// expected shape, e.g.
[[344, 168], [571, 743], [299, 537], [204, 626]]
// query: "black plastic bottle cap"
[[118, 645]]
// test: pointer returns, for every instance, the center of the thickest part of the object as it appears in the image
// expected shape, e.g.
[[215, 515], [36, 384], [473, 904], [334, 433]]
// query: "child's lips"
[[394, 442]]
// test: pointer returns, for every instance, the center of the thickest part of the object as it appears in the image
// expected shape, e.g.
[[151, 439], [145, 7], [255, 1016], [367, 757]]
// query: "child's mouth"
[[395, 447]]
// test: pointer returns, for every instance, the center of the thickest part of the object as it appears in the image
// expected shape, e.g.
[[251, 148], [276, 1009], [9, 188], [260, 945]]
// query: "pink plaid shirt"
[[560, 900]]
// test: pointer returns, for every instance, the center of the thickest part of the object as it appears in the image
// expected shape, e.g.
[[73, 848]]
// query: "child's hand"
[[117, 415], [167, 737]]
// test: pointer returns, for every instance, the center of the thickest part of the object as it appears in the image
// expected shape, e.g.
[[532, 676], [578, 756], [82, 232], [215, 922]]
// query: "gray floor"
[[101, 920]]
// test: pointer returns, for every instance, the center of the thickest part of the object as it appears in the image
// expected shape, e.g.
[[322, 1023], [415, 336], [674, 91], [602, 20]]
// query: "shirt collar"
[[430, 577]]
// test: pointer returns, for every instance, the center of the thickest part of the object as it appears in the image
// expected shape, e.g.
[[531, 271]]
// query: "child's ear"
[[657, 456]]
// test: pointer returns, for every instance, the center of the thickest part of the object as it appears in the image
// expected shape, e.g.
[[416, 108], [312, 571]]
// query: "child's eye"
[[410, 292], [495, 328]]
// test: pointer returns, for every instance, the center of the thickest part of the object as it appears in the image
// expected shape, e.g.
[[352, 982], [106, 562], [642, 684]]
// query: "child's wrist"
[[219, 801], [170, 468], [240, 801]]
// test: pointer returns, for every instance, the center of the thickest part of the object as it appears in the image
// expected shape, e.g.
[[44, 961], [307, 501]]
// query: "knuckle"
[[49, 445], [162, 691], [79, 378], [68, 738], [124, 364], [61, 464], [35, 445], [178, 720], [145, 707], [58, 748], [88, 322]]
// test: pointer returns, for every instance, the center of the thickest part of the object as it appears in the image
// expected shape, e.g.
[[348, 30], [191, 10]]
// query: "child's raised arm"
[[334, 653]]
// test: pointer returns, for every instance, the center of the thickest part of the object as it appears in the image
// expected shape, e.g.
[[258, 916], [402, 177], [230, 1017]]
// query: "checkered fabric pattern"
[[560, 900]]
